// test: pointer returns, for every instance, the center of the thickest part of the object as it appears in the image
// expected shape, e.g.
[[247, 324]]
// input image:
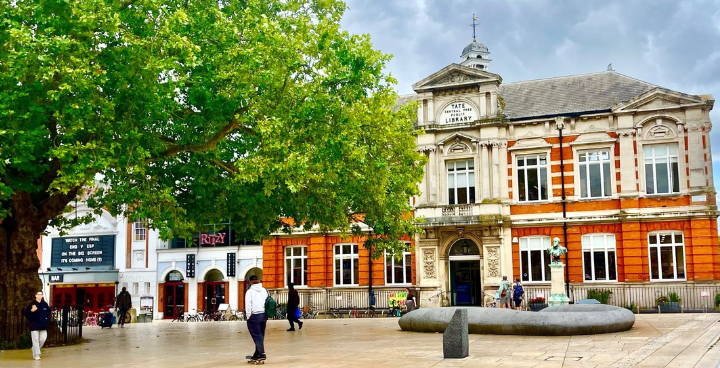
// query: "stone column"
[[432, 177], [628, 182], [557, 285], [503, 171], [485, 163], [495, 171]]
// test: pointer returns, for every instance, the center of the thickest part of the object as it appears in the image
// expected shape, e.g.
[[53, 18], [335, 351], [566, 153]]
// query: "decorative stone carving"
[[493, 256], [426, 148], [446, 234], [430, 233], [695, 127], [658, 132], [455, 77], [626, 132], [139, 255], [429, 263]]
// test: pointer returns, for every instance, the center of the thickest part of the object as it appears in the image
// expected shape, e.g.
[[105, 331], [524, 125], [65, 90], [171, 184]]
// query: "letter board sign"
[[83, 251]]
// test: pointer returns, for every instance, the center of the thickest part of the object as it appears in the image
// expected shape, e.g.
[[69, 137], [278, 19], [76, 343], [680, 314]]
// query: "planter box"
[[534, 307], [669, 307]]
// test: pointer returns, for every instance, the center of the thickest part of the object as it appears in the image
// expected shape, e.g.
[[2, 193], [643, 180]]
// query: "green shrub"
[[599, 294], [632, 307], [717, 300], [674, 298]]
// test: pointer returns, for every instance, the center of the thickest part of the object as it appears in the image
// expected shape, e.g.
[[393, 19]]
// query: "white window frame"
[[289, 274], [139, 231], [343, 256], [673, 245], [609, 245], [677, 157], [516, 174], [525, 246], [405, 264], [468, 173], [585, 166]]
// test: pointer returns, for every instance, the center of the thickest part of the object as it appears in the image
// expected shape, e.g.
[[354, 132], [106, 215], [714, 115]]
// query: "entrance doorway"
[[174, 295], [214, 290], [464, 273]]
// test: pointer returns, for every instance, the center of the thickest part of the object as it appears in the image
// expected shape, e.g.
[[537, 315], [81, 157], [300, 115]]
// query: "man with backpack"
[[505, 290], [257, 300], [518, 292]]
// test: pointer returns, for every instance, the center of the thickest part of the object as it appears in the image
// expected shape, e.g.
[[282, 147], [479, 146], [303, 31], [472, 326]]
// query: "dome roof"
[[474, 46]]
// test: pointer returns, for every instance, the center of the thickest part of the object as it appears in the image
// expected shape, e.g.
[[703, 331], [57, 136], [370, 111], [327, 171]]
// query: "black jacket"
[[124, 300], [293, 300], [40, 319]]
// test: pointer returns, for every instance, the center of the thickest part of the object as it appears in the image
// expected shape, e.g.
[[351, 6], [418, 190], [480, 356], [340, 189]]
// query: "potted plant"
[[537, 304], [669, 303]]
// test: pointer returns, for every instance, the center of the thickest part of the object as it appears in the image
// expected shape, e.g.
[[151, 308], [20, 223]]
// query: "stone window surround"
[[303, 261], [520, 152], [405, 253], [545, 259], [674, 260], [139, 231], [605, 250], [351, 256], [593, 146], [679, 138]]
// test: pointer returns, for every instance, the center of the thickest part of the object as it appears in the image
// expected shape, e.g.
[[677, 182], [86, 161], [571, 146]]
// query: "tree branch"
[[224, 165], [230, 127]]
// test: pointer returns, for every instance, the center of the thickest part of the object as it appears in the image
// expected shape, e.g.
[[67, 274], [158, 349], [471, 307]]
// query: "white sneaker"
[[37, 357]]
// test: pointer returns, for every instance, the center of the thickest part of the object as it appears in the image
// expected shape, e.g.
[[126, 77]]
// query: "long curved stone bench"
[[577, 319]]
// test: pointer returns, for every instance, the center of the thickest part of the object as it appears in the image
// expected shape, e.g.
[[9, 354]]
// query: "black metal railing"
[[65, 328]]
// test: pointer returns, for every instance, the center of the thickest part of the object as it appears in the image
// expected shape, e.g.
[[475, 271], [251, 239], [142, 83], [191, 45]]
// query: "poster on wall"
[[397, 299], [83, 251]]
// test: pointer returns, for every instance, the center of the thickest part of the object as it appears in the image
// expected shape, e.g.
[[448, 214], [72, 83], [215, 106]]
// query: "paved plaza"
[[668, 340]]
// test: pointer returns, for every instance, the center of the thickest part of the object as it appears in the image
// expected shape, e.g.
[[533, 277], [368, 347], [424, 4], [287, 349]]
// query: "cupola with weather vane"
[[475, 55]]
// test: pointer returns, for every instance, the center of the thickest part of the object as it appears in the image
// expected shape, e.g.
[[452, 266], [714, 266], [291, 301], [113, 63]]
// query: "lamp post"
[[371, 294]]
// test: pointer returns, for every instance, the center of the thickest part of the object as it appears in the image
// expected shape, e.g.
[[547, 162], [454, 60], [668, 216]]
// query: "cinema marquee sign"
[[458, 112], [85, 251]]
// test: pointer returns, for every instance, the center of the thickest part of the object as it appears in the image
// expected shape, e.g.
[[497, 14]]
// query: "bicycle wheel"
[[128, 318]]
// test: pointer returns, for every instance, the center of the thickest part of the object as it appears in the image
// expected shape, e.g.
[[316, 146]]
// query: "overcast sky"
[[673, 44]]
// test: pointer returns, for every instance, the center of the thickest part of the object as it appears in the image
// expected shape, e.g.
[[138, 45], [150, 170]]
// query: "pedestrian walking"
[[123, 302], [505, 291], [255, 308], [292, 307], [518, 293], [38, 316], [410, 301]]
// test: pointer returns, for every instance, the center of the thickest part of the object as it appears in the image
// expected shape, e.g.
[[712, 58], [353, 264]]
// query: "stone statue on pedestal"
[[556, 250]]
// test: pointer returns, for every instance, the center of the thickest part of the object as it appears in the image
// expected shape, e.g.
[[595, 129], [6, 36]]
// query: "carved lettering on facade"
[[429, 263]]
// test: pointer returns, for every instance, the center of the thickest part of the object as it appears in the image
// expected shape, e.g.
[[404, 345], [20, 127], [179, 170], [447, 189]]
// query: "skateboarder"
[[257, 320]]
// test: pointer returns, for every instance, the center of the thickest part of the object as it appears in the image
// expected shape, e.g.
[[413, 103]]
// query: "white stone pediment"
[[660, 99], [103, 224], [593, 137], [530, 143], [455, 137], [455, 75]]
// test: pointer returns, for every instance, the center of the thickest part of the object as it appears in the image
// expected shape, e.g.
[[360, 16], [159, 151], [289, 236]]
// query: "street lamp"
[[465, 247]]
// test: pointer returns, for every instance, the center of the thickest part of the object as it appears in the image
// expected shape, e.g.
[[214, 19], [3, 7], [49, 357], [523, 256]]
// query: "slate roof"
[[569, 95]]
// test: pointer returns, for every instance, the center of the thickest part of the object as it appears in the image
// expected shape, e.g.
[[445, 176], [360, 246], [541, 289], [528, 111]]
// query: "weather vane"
[[474, 25]]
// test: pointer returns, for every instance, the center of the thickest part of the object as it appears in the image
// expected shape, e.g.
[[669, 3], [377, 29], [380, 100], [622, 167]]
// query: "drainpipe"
[[371, 294], [560, 126]]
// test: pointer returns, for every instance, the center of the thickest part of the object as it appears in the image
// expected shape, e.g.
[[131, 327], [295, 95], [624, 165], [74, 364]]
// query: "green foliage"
[[599, 294], [717, 300], [190, 112], [23, 343], [632, 306], [670, 298]]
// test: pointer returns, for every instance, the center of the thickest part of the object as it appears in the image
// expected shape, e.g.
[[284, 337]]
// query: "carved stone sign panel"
[[458, 112], [493, 261], [429, 263]]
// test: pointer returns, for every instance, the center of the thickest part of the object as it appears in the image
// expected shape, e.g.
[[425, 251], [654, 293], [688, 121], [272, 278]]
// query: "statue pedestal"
[[557, 286]]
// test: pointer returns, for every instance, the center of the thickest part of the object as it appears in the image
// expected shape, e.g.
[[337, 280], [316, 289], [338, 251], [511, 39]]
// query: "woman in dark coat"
[[38, 316], [292, 306]]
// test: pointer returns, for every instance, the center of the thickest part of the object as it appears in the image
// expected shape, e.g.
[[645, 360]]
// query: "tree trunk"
[[19, 265]]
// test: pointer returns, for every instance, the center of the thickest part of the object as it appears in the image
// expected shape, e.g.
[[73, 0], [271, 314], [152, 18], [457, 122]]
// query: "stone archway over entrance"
[[465, 280]]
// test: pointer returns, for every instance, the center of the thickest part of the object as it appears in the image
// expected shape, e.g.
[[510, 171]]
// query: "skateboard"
[[251, 360]]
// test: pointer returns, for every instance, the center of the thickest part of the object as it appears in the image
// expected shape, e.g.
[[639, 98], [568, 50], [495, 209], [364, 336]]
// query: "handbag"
[[297, 313]]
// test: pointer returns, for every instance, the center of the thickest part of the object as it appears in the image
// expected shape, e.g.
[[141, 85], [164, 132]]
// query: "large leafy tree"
[[193, 111]]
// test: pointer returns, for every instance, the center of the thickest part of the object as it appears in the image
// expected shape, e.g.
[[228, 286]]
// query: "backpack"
[[518, 293], [270, 306]]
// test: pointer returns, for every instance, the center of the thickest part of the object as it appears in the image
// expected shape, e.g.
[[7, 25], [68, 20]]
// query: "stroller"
[[107, 320]]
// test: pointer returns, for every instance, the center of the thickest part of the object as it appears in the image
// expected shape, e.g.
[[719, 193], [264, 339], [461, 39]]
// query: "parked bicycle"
[[309, 312]]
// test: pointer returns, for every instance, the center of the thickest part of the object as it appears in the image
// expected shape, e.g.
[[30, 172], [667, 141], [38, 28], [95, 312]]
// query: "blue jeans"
[[256, 325]]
